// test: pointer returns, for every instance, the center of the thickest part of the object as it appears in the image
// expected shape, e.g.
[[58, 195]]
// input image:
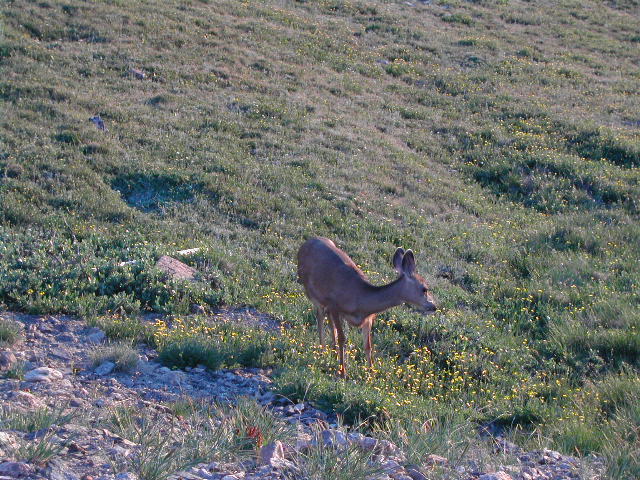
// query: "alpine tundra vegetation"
[[498, 139]]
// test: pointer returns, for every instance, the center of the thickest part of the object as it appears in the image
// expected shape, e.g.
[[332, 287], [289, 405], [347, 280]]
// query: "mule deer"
[[340, 290]]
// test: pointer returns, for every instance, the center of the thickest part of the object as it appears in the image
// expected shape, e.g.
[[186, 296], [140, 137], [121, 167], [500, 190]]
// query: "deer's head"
[[415, 289]]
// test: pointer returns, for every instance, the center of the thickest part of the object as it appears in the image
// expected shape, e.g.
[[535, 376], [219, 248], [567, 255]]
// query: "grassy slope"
[[497, 139]]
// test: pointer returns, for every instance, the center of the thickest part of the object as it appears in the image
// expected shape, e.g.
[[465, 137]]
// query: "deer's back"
[[329, 276]]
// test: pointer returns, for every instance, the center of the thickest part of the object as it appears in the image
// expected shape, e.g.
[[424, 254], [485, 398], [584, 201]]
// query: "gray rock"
[[148, 367], [385, 447], [58, 470], [435, 460], [7, 360], [550, 456], [43, 374], [175, 377], [495, 476], [368, 443], [415, 474], [391, 467], [96, 335], [105, 368], [271, 453], [15, 469], [126, 476], [334, 438], [26, 399], [267, 397], [505, 446], [7, 440], [63, 337], [198, 309], [139, 74]]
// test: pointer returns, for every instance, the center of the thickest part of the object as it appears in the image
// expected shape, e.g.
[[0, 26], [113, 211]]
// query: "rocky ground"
[[55, 371]]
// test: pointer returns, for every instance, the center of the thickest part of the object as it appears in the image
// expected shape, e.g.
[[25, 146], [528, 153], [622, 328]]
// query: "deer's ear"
[[397, 259], [408, 263]]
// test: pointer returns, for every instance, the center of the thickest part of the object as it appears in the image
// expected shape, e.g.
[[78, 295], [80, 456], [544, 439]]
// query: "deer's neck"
[[378, 299]]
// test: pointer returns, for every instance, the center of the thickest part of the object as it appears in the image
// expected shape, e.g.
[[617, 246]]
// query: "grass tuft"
[[121, 353], [10, 332]]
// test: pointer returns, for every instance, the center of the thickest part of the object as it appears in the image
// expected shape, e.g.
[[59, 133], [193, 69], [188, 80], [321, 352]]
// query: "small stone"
[[334, 438], [435, 460], [415, 474], [174, 377], [198, 309], [368, 443], [139, 74], [385, 447], [60, 353], [43, 374], [175, 268], [504, 446], [126, 476], [391, 466], [271, 452], [96, 335], [147, 367], [15, 469], [7, 360], [550, 456], [26, 399], [105, 368], [495, 476], [7, 440], [100, 403], [59, 470]]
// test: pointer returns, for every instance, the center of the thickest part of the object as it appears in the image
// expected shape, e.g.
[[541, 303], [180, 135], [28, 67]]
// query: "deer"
[[339, 290]]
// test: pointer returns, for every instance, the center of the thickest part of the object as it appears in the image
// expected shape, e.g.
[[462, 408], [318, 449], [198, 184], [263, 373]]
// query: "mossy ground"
[[499, 140]]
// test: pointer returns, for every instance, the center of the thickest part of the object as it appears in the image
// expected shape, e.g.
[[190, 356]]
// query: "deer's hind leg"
[[366, 337]]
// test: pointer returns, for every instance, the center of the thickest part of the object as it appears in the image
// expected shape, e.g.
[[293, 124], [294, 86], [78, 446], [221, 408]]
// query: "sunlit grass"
[[506, 159]]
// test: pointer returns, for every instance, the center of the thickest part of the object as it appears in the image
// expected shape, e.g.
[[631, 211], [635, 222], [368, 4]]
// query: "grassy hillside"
[[498, 139]]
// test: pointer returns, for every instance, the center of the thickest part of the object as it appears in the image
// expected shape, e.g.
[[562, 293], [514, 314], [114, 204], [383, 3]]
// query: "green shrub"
[[87, 276]]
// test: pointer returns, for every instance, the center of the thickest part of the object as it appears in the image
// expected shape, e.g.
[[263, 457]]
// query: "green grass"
[[498, 140], [205, 432], [41, 450], [320, 461], [10, 332], [33, 421], [122, 354]]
